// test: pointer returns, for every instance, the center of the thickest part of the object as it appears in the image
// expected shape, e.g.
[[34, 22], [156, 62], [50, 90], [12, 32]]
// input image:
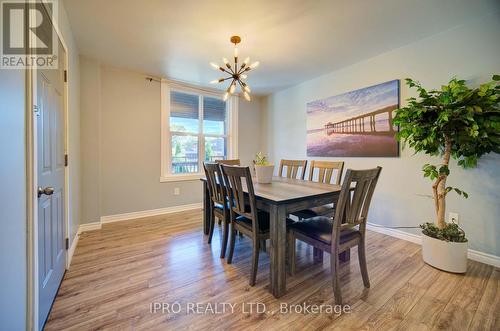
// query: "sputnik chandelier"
[[237, 75]]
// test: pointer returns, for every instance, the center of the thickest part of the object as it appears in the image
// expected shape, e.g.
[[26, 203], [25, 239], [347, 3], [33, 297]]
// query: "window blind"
[[183, 105], [214, 109]]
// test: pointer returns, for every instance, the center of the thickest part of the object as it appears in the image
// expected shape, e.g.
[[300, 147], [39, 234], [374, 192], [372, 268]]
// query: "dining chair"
[[328, 172], [229, 162], [245, 217], [345, 231], [218, 207], [292, 168]]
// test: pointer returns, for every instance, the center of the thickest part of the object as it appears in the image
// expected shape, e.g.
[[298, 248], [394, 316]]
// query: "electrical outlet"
[[177, 191], [453, 218]]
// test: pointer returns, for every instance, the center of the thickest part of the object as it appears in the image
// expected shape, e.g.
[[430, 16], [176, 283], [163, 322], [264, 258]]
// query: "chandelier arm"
[[229, 87], [221, 80], [244, 69], [231, 69], [241, 85], [224, 70]]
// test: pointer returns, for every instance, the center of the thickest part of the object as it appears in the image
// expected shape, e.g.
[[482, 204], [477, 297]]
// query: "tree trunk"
[[441, 204], [439, 188]]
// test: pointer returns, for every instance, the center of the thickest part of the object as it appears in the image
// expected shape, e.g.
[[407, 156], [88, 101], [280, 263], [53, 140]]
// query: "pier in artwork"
[[364, 124]]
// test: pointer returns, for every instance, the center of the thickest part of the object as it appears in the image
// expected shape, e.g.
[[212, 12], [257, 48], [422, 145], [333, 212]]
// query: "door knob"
[[47, 191]]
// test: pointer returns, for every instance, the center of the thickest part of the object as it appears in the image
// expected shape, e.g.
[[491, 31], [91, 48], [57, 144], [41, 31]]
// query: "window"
[[197, 126]]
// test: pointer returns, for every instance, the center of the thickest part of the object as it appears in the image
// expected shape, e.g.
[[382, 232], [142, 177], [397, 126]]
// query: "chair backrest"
[[325, 171], [215, 183], [235, 178], [229, 162], [354, 200], [292, 168]]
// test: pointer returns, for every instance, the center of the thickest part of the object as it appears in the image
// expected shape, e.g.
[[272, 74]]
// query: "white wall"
[[121, 144], [90, 134], [249, 127], [13, 254], [470, 51]]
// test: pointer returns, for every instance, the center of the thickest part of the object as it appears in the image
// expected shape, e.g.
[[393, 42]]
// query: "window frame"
[[231, 134]]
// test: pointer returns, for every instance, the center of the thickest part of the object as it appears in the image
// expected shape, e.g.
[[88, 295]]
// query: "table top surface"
[[283, 189]]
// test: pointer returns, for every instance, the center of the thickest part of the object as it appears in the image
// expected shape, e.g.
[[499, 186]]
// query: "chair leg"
[[362, 263], [291, 253], [318, 255], [224, 239], [255, 262], [212, 226], [231, 244], [335, 265]]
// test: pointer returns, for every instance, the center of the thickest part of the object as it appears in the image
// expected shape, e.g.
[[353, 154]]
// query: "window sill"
[[180, 178]]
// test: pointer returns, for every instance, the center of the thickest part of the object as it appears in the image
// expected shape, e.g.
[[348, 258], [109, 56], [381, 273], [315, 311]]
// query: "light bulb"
[[232, 88], [214, 65], [254, 65], [247, 88], [215, 81], [225, 60], [235, 52], [247, 96], [226, 95], [243, 76], [246, 60]]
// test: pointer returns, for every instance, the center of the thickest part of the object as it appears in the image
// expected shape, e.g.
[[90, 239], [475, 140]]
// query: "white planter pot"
[[264, 174], [444, 255]]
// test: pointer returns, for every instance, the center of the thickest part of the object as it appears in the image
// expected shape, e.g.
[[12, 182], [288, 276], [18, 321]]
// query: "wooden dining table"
[[280, 198]]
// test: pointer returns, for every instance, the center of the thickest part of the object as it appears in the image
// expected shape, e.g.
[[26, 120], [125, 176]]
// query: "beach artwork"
[[354, 124]]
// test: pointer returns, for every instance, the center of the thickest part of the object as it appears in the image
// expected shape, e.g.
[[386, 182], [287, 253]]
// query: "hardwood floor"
[[119, 271]]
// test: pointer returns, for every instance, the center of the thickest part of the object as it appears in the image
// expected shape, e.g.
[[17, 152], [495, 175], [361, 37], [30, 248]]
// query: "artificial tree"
[[453, 122]]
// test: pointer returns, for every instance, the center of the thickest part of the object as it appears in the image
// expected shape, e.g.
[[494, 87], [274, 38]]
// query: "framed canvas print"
[[354, 124]]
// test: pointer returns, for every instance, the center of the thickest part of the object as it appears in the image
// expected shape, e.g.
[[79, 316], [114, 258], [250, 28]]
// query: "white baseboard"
[[71, 250], [472, 254], [395, 233], [89, 227], [149, 213], [484, 258]]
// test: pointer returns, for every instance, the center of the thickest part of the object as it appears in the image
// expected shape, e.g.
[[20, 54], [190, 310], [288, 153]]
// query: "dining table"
[[280, 198]]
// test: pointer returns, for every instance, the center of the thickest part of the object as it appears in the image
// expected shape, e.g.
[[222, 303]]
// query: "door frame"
[[31, 82]]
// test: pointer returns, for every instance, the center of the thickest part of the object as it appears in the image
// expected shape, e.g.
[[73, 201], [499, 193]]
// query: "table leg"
[[206, 208], [318, 255], [345, 256], [277, 274]]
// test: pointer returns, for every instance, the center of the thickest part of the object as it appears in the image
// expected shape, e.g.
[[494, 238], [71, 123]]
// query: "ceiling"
[[294, 40]]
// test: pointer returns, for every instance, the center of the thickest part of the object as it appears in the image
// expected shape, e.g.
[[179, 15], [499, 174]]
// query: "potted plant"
[[263, 169], [452, 122]]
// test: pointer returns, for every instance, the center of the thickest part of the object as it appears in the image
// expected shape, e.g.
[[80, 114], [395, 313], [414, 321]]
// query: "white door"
[[51, 188]]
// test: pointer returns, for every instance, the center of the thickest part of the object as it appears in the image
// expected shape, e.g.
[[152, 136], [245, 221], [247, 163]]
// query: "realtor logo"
[[28, 37]]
